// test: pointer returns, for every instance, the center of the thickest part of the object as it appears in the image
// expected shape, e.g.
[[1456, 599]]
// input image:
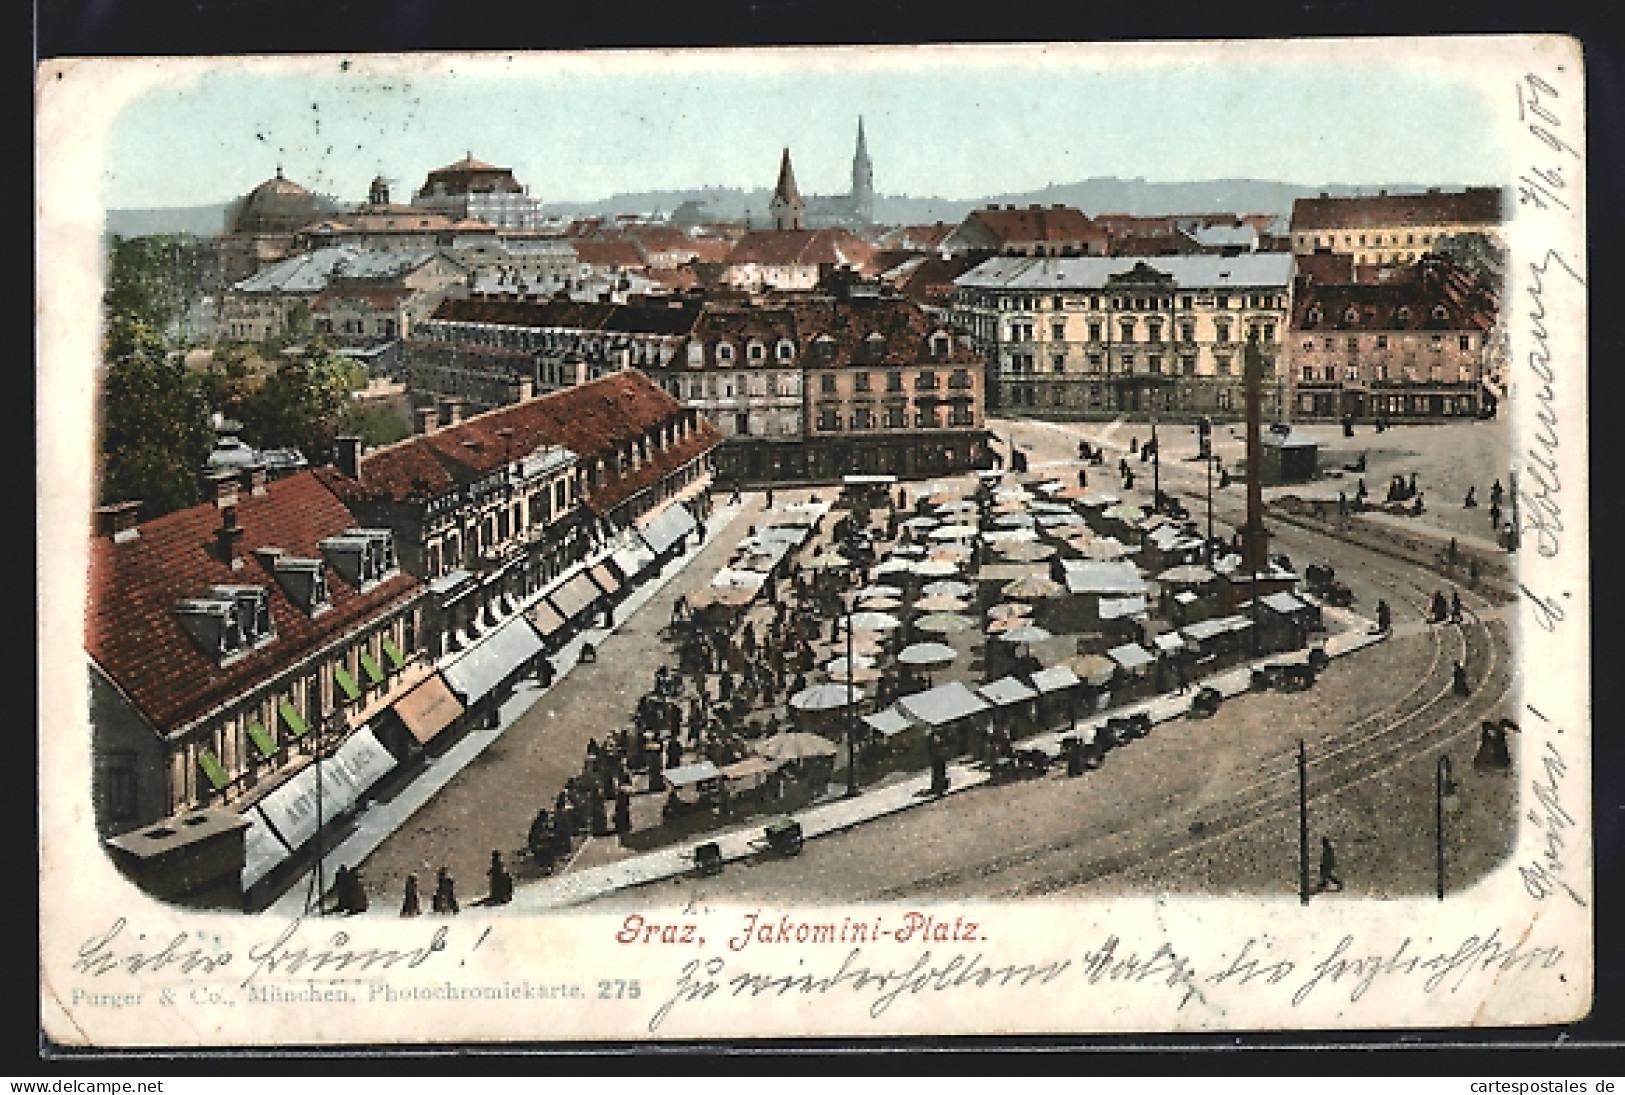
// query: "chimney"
[[527, 389], [118, 520], [454, 409], [227, 535], [427, 419], [221, 488], [347, 455], [268, 557], [253, 479]]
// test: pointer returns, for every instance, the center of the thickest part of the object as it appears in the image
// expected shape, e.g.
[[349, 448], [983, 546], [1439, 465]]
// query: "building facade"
[[232, 643], [1393, 228], [492, 351], [474, 190], [1056, 230], [814, 386], [1102, 337], [1417, 345], [364, 288]]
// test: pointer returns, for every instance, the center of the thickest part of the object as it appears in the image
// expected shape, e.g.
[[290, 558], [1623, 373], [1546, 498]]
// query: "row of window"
[[262, 737], [1409, 371], [895, 418], [1098, 303], [1352, 342], [1412, 239], [959, 379], [1184, 364], [1128, 328]]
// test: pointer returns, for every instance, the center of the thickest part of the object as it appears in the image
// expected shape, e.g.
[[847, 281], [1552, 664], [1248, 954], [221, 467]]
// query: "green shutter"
[[263, 741], [291, 716], [212, 768], [394, 652], [370, 667], [346, 682]]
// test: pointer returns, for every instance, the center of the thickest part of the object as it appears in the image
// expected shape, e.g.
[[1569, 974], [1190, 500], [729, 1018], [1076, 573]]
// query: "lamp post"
[[851, 712], [1445, 801], [1303, 825]]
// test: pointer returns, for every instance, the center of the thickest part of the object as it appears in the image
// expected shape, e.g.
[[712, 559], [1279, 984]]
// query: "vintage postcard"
[[721, 544]]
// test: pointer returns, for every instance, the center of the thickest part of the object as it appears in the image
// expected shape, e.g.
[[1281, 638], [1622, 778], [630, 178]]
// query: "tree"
[[155, 421], [155, 278], [375, 425], [300, 406]]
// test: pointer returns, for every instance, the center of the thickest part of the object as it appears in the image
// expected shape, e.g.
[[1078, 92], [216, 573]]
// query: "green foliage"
[[300, 406], [375, 425], [156, 278], [155, 427]]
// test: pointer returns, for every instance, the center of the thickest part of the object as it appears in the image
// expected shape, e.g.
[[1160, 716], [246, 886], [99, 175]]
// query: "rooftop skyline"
[[952, 122]]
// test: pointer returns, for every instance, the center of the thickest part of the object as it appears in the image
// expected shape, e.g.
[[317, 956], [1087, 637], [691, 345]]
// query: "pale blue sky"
[[958, 131]]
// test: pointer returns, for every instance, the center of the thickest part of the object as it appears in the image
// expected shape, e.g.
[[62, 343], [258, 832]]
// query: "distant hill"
[[198, 220], [1093, 196]]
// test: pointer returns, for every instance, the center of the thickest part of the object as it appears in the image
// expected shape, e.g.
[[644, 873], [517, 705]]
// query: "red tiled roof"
[[1420, 290], [801, 247], [1049, 224], [136, 639], [1475, 205], [611, 252], [592, 420]]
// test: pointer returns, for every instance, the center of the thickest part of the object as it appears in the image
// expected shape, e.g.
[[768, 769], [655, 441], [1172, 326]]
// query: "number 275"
[[618, 990]]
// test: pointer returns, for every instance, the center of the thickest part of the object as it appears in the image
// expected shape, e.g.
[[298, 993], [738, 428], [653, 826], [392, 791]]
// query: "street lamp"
[[851, 709], [1446, 800]]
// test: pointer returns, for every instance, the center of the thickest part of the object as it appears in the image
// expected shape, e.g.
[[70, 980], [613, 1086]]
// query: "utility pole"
[[1303, 825], [1254, 536], [851, 713], [1156, 468], [1512, 497]]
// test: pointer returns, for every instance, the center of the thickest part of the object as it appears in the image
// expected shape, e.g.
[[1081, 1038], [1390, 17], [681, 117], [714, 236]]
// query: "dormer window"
[[756, 353], [874, 347], [785, 350], [939, 345], [304, 582], [362, 557], [824, 348], [725, 353], [227, 621]]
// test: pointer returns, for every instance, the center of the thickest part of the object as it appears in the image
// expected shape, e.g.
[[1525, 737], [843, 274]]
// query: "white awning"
[[943, 704], [574, 595], [669, 527], [493, 659], [1054, 679], [1006, 691], [262, 851], [632, 559], [888, 722], [330, 789], [1130, 655]]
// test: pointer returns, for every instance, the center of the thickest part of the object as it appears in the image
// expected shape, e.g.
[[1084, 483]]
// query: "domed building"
[[262, 227], [275, 207]]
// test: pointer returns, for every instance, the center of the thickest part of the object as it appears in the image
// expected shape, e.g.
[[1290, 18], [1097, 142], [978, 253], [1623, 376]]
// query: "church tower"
[[863, 180], [787, 208]]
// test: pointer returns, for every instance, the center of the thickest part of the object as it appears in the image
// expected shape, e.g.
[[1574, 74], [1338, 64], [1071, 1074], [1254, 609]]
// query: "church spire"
[[863, 179], [787, 206]]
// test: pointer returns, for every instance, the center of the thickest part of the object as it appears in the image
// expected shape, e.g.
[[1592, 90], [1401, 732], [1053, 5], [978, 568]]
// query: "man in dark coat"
[[445, 894], [501, 882], [1328, 866], [409, 904]]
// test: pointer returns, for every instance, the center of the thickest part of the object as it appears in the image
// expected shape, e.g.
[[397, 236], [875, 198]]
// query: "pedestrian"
[[1471, 501], [1495, 515], [1455, 607], [1459, 680], [409, 903], [1342, 504], [769, 498], [540, 837], [1083, 478], [735, 498], [1441, 609], [1496, 493], [623, 812], [1328, 866], [1384, 617], [445, 894], [501, 891]]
